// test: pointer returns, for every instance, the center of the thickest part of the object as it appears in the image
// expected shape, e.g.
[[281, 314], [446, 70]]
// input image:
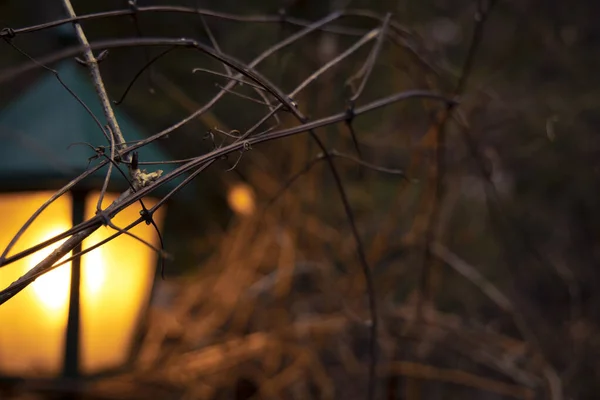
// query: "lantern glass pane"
[[116, 281], [32, 324]]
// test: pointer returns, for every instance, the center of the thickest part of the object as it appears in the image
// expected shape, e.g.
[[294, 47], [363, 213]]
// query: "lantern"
[[81, 318]]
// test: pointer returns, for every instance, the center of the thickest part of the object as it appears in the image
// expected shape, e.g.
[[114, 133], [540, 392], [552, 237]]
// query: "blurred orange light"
[[241, 199]]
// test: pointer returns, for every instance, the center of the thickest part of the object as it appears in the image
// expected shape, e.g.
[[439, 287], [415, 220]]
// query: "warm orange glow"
[[51, 289], [241, 199], [117, 278], [115, 288], [32, 323]]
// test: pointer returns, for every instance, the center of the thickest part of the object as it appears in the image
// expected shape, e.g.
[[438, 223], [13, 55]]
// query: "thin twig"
[[209, 13], [148, 65], [62, 83], [109, 170], [258, 90], [352, 49], [367, 68], [92, 64], [333, 153], [233, 78], [246, 97]]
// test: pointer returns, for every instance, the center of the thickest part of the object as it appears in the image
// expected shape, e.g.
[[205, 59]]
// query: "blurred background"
[[484, 260]]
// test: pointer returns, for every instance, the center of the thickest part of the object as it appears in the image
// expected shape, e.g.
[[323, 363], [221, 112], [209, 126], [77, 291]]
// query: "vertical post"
[[71, 367]]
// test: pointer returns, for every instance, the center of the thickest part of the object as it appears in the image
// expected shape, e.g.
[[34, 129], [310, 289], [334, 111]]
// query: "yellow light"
[[95, 272], [116, 280], [110, 312], [32, 323], [241, 199], [52, 289]]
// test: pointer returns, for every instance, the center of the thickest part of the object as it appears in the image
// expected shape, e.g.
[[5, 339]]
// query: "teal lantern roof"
[[37, 129]]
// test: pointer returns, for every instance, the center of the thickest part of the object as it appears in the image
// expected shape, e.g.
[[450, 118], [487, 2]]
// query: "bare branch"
[[92, 64], [367, 68]]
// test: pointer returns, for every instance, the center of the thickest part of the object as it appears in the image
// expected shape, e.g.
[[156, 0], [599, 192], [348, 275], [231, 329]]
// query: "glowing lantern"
[[81, 318], [114, 288]]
